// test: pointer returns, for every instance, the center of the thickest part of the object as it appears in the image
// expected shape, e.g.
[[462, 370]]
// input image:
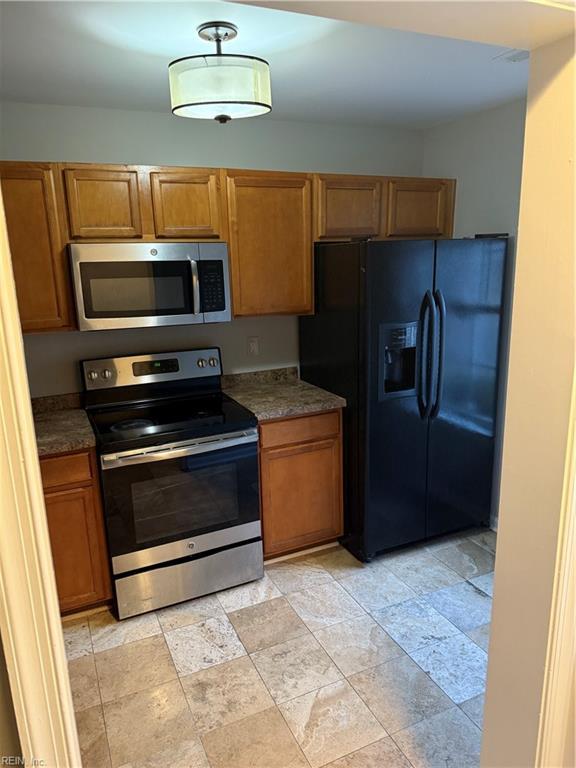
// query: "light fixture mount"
[[217, 31], [219, 86]]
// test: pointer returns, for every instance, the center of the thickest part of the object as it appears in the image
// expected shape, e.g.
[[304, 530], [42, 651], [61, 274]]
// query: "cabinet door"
[[301, 495], [103, 202], [78, 549], [347, 206], [36, 246], [270, 219], [420, 207], [186, 203]]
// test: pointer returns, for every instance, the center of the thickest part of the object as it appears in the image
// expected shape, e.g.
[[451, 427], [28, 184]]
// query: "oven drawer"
[[171, 584]]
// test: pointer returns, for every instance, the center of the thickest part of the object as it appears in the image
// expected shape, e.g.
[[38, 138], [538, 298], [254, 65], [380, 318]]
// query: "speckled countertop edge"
[[63, 431], [281, 399], [62, 426]]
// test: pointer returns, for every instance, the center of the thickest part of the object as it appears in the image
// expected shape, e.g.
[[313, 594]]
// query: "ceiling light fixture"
[[219, 86]]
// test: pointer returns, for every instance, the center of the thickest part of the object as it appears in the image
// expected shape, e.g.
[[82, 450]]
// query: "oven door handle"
[[177, 451]]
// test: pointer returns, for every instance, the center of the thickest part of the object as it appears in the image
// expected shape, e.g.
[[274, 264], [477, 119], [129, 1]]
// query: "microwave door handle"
[[195, 287]]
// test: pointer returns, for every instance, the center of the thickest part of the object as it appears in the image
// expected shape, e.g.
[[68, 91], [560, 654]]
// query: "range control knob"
[[213, 362], [92, 375], [106, 373], [201, 363]]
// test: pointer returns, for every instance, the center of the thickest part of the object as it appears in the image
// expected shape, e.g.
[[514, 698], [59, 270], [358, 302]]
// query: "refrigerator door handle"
[[426, 347], [441, 304]]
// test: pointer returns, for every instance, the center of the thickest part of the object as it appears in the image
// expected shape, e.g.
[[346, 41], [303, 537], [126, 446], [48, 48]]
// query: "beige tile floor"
[[324, 662]]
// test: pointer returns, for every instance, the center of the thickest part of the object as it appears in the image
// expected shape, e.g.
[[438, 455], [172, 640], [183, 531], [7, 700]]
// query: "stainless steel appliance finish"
[[105, 373], [204, 277], [133, 561], [177, 450], [171, 584], [179, 471]]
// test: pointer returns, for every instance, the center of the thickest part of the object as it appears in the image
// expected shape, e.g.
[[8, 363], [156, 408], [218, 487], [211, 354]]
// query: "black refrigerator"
[[410, 333]]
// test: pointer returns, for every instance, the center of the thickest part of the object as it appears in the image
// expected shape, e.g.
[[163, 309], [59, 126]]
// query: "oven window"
[[136, 289], [176, 503], [162, 501]]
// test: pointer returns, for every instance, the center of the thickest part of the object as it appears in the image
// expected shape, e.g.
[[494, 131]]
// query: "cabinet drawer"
[[299, 430], [66, 470]]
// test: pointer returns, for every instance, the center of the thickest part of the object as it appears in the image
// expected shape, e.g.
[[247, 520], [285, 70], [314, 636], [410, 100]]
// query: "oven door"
[[136, 285], [163, 504]]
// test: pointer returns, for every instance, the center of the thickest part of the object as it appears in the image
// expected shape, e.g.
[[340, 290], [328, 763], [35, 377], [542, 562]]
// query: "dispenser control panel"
[[397, 359]]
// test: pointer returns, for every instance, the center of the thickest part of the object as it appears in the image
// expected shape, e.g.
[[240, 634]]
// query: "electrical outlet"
[[253, 346]]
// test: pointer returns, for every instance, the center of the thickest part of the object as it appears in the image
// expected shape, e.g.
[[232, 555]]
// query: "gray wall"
[[82, 134], [482, 151], [51, 133], [52, 359]]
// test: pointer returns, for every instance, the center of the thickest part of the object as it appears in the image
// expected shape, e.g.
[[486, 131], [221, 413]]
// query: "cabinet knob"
[[92, 375], [106, 373], [201, 363], [213, 362]]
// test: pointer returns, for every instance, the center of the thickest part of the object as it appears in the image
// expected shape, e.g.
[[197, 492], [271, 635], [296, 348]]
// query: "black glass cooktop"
[[165, 421]]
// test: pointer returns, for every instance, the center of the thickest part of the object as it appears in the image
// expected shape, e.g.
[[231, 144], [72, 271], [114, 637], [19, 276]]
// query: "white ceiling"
[[116, 55]]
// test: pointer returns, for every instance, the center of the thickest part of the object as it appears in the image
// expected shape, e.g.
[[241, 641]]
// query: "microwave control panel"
[[212, 290]]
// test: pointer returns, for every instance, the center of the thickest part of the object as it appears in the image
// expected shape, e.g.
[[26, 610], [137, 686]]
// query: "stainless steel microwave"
[[135, 285]]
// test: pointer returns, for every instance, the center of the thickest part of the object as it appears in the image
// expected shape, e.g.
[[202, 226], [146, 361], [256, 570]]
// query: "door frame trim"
[[558, 695], [29, 615]]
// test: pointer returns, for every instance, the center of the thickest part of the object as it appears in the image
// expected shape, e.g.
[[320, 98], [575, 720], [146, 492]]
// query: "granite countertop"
[[62, 431], [62, 425], [278, 394]]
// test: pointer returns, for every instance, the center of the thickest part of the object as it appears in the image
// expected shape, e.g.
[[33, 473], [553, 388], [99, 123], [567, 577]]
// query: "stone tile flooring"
[[324, 662]]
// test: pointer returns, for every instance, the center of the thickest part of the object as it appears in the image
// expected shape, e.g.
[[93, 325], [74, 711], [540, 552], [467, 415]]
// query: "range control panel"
[[109, 372]]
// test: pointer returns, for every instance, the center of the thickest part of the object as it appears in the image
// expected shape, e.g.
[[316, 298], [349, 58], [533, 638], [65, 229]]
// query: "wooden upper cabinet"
[[420, 208], [270, 218], [37, 247], [187, 203], [346, 206], [102, 202]]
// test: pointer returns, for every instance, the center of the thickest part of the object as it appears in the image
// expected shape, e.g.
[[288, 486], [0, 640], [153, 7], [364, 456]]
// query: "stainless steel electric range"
[[179, 472]]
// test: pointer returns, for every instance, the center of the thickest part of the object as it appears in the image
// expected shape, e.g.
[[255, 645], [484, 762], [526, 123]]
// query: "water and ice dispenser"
[[397, 359]]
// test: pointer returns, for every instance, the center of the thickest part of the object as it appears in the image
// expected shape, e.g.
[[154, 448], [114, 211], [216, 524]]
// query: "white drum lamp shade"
[[219, 86], [206, 87]]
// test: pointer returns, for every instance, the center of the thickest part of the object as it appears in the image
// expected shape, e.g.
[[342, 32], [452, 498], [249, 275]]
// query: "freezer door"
[[399, 275], [469, 282]]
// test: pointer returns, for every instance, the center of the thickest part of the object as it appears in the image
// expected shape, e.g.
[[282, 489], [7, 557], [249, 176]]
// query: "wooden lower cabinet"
[[76, 528], [301, 482]]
